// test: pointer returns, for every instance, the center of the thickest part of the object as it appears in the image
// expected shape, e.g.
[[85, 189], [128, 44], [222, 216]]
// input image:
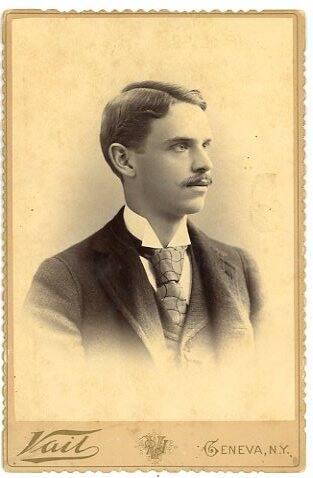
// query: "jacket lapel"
[[197, 317], [219, 275], [124, 280]]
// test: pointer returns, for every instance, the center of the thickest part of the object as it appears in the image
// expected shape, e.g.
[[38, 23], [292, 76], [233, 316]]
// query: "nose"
[[201, 161]]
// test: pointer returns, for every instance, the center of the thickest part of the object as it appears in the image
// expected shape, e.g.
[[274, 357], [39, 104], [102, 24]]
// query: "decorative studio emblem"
[[155, 446]]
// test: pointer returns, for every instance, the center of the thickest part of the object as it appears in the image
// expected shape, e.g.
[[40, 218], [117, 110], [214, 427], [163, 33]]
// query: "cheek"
[[163, 171], [150, 168]]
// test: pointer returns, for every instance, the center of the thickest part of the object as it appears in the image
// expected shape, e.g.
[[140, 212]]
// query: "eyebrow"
[[184, 139]]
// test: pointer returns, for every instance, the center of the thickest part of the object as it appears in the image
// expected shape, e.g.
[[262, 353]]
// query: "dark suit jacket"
[[97, 293]]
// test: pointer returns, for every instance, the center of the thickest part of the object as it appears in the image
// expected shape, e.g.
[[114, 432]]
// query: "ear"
[[121, 159]]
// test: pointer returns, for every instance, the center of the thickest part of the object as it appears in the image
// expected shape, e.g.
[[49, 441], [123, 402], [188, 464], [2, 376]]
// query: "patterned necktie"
[[168, 264]]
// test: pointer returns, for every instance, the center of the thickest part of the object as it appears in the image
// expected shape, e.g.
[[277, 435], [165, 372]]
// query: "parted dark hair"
[[126, 118]]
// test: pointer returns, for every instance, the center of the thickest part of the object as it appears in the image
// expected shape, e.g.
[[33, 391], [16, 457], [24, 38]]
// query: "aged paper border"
[[178, 431]]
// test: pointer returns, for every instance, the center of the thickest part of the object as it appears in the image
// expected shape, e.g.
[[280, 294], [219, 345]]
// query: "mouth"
[[200, 182]]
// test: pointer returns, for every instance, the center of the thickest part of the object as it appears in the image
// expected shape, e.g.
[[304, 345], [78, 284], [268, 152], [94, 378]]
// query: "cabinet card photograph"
[[154, 241]]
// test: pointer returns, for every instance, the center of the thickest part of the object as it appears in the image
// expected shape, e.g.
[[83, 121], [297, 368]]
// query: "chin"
[[192, 207]]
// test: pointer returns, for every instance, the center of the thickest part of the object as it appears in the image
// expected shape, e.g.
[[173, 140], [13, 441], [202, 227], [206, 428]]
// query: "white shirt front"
[[140, 227]]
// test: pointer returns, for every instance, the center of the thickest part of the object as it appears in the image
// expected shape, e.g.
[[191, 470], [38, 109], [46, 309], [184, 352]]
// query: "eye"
[[206, 145], [180, 147]]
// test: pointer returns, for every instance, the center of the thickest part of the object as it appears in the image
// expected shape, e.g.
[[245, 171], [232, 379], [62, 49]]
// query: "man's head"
[[155, 136]]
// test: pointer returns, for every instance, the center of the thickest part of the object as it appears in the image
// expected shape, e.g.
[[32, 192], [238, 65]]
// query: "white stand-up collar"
[[140, 227]]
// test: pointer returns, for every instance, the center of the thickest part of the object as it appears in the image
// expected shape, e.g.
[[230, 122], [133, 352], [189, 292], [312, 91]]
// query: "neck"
[[164, 225]]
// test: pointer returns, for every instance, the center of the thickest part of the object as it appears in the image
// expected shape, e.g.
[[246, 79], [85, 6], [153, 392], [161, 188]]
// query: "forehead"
[[183, 120]]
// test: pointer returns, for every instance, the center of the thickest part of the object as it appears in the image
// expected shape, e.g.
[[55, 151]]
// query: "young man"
[[149, 285]]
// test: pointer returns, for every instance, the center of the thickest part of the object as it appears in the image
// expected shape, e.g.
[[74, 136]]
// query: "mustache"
[[192, 180]]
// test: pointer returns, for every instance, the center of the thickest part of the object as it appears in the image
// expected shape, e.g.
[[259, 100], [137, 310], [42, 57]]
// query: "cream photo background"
[[64, 70]]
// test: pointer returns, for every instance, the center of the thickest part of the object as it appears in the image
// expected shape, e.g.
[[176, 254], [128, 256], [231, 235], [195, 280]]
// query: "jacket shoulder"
[[81, 253], [225, 251], [57, 283]]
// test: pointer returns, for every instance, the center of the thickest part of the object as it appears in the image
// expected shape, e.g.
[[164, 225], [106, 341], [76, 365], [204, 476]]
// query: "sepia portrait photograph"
[[154, 237]]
